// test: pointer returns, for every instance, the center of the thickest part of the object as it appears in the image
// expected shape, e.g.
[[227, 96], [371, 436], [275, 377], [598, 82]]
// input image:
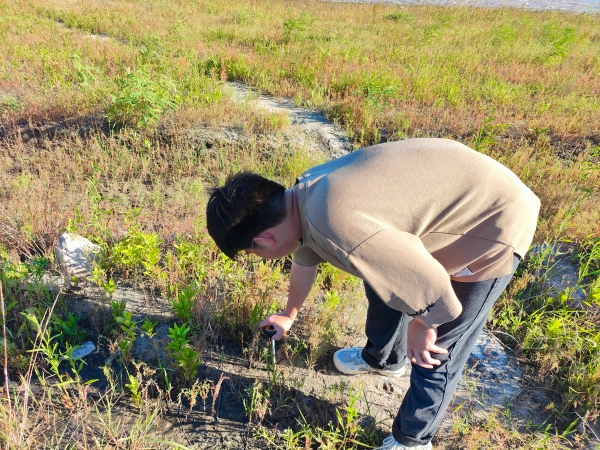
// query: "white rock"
[[82, 350], [75, 255]]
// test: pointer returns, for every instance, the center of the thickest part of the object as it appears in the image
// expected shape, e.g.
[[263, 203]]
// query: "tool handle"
[[269, 331]]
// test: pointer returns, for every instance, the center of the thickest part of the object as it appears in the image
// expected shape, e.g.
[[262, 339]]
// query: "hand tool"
[[270, 331]]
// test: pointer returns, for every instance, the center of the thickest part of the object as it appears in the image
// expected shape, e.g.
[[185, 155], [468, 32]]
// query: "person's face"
[[271, 250]]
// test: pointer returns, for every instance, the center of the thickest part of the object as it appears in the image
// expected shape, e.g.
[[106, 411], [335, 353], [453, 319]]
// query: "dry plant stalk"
[[204, 390], [216, 391], [6, 381]]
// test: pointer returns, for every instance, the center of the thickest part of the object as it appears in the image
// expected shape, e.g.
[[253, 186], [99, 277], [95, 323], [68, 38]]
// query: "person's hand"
[[280, 321], [421, 344]]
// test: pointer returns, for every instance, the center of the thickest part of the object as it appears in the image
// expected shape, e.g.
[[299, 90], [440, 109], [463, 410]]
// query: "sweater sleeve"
[[305, 256], [406, 277]]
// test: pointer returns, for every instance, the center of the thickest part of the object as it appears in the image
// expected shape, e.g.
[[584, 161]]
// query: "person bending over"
[[435, 230]]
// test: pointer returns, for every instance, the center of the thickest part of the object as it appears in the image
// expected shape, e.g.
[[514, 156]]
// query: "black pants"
[[431, 390]]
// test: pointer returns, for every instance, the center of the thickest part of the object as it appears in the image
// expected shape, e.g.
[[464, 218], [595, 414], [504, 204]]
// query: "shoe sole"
[[384, 373], [396, 374]]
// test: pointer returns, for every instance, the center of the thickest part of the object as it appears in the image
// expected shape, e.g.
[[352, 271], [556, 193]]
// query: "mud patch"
[[559, 272], [309, 121], [492, 379]]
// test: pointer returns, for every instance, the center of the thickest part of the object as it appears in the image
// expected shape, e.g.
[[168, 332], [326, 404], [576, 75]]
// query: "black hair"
[[244, 207]]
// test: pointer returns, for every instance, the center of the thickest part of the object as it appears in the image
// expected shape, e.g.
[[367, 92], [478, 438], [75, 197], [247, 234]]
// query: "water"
[[577, 6]]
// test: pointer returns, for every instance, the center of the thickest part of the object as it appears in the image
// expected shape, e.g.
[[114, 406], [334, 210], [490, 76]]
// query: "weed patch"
[[556, 334], [140, 101]]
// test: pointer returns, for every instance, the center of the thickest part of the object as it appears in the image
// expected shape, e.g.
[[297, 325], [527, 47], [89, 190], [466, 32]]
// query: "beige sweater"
[[408, 216]]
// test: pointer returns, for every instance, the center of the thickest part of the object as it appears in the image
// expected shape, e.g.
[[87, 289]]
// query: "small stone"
[[473, 361], [232, 135], [82, 350]]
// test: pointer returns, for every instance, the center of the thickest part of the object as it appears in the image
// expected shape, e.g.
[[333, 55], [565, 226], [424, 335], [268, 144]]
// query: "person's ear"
[[265, 240]]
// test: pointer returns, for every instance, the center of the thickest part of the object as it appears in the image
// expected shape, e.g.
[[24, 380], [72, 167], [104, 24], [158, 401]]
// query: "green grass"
[[518, 85], [559, 335], [111, 126]]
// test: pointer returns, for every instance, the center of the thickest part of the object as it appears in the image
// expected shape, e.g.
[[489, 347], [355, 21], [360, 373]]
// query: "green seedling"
[[49, 349], [68, 330], [189, 361], [117, 308], [99, 278], [37, 267], [184, 303], [180, 350], [148, 327], [98, 275], [134, 390], [178, 337], [594, 297], [127, 326], [109, 287]]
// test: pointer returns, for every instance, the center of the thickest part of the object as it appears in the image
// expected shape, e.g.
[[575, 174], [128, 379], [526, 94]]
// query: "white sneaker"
[[389, 443], [351, 362]]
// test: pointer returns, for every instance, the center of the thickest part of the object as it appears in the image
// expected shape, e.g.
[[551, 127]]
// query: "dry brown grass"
[[519, 85]]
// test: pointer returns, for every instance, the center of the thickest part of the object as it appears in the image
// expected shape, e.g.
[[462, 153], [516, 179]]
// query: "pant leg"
[[386, 334], [431, 390]]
